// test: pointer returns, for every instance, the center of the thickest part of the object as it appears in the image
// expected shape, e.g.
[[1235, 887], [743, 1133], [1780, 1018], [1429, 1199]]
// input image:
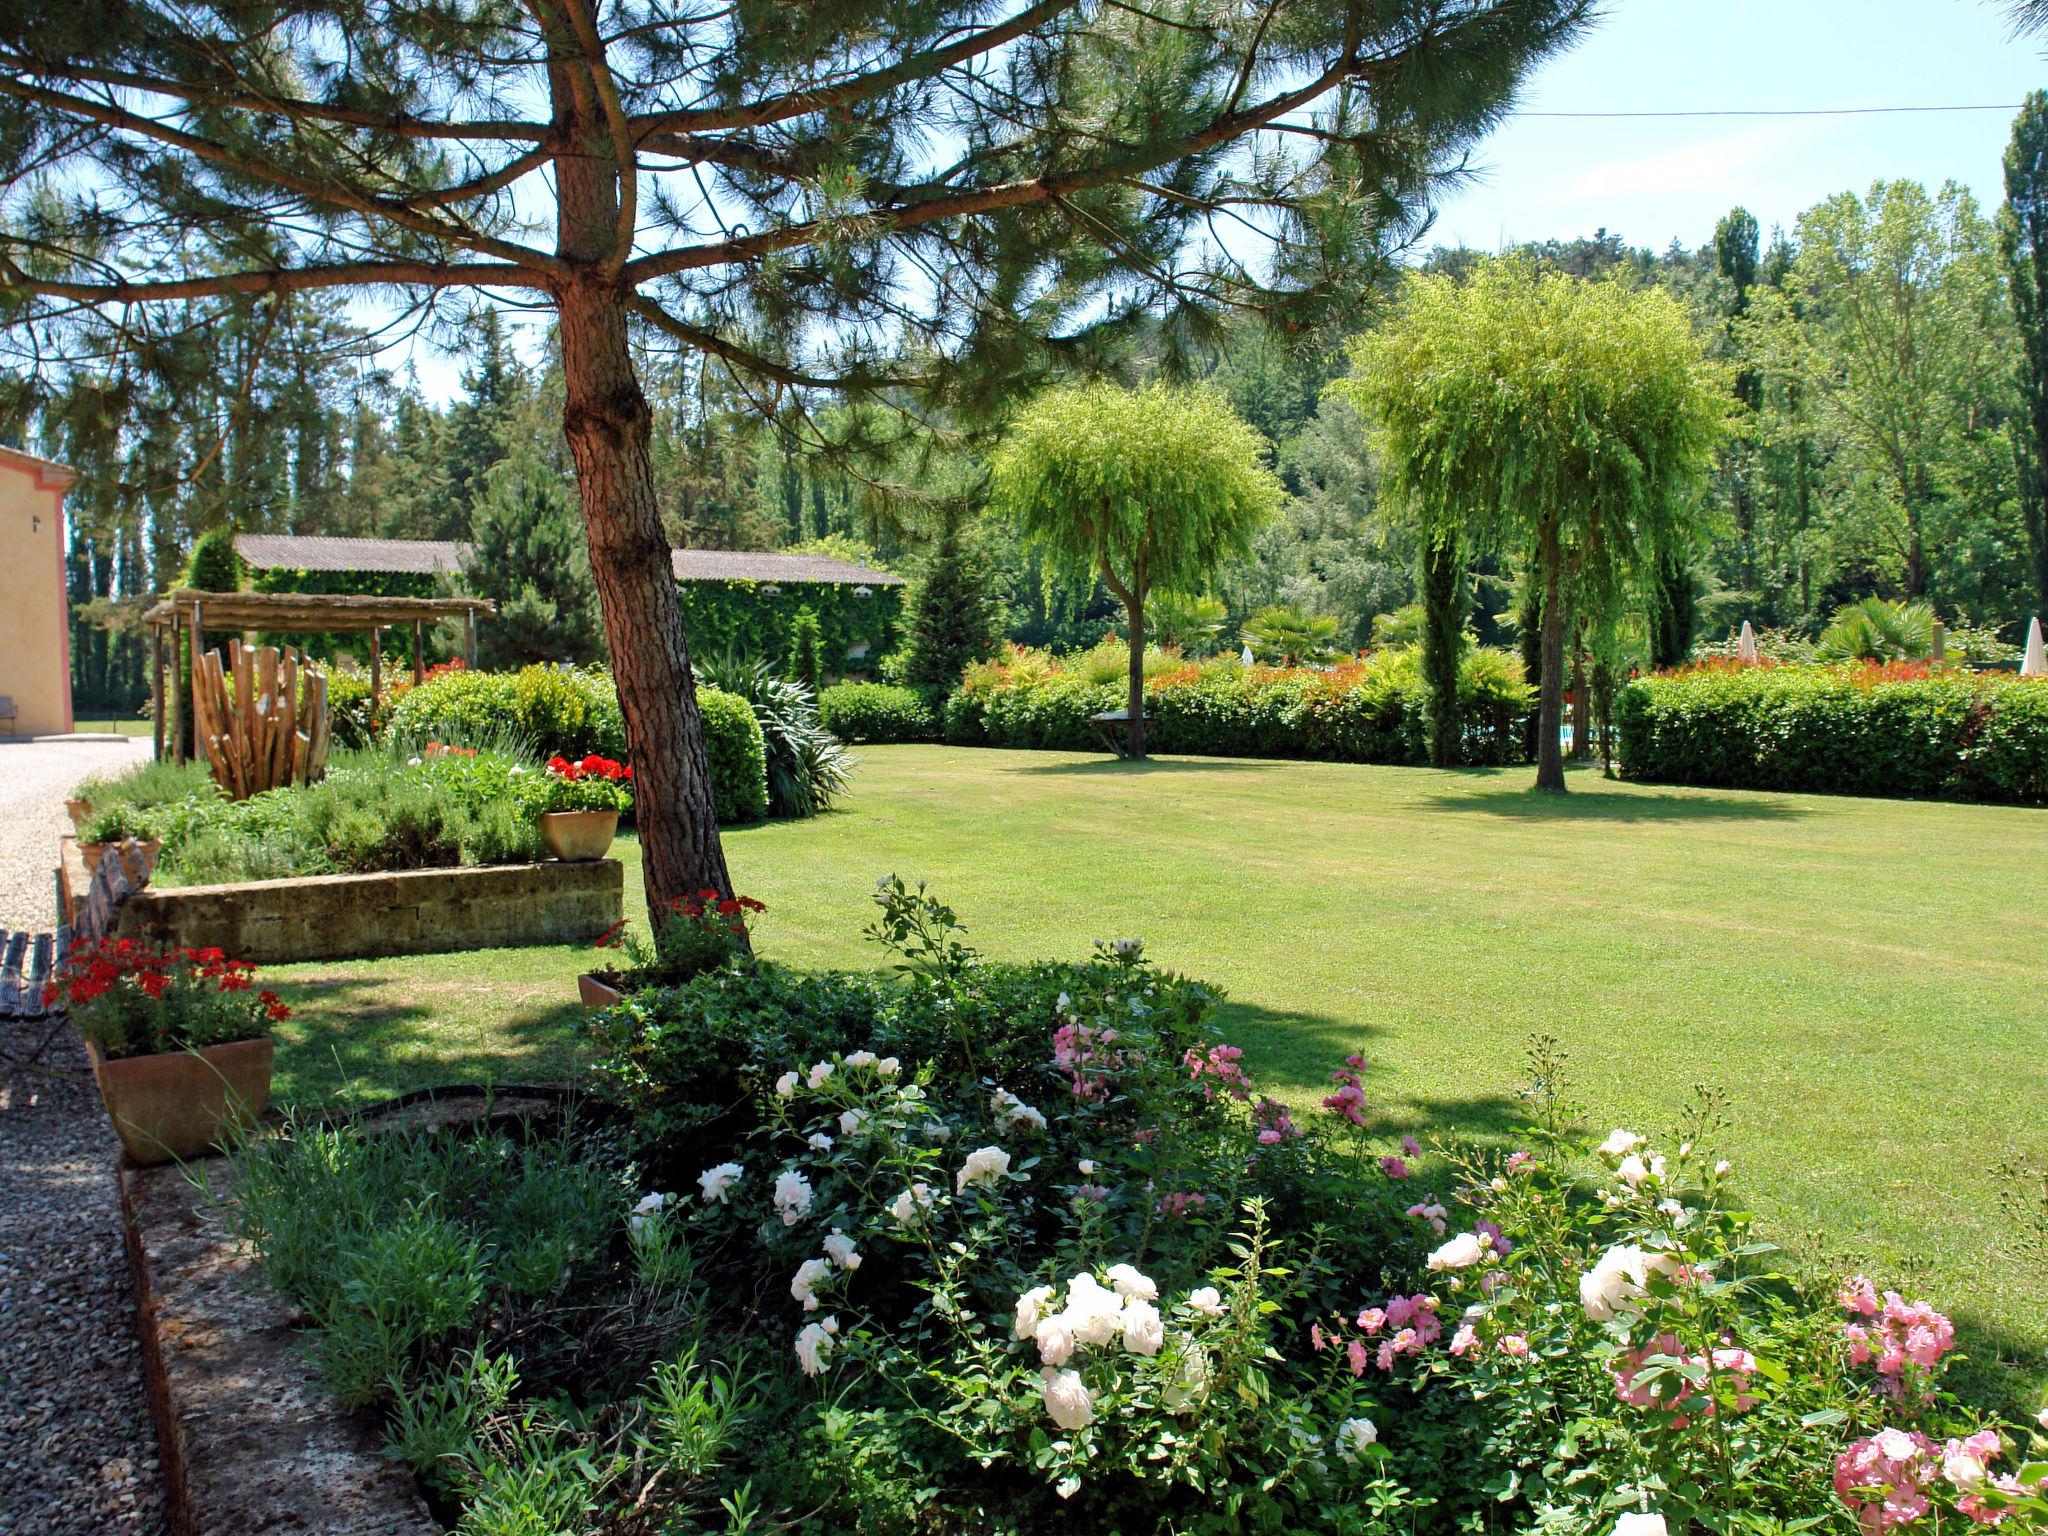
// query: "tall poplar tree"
[[2023, 247], [938, 198]]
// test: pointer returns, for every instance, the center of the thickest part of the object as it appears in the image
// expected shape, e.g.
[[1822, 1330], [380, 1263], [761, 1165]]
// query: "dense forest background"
[[1884, 445]]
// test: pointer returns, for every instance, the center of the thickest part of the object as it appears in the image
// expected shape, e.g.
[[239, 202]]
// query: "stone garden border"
[[362, 917]]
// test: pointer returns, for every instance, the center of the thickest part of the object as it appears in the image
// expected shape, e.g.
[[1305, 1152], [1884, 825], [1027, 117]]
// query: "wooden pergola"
[[193, 613]]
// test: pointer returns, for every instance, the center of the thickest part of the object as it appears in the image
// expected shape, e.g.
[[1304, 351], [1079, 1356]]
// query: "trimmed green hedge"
[[1899, 731], [1365, 711], [877, 712], [575, 711], [741, 617]]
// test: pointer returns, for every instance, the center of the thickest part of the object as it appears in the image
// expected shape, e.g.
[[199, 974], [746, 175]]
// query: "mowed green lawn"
[[1868, 980]]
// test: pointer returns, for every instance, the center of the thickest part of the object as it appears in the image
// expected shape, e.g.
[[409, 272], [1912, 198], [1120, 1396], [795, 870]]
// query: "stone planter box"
[[361, 917]]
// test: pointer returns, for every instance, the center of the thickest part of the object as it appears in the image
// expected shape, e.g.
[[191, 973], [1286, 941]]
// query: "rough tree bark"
[[607, 421], [1550, 686]]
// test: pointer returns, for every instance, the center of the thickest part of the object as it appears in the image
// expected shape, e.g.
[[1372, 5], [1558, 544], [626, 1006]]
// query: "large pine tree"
[[805, 193]]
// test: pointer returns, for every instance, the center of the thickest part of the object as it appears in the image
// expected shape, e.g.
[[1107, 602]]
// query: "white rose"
[[792, 1197], [1030, 1308], [1657, 1169], [1068, 1402], [820, 1074], [1461, 1252], [819, 1141], [715, 1183], [1095, 1315], [851, 1121], [860, 1059], [1087, 1167], [1128, 1282], [1353, 1436], [1962, 1468], [839, 1248], [1620, 1143], [1144, 1332], [984, 1165], [1055, 1338], [1722, 1168], [2041, 1419], [814, 1344], [1619, 1278], [1632, 1171], [910, 1205], [810, 1274], [1207, 1300], [888, 1066], [785, 1085], [1641, 1525]]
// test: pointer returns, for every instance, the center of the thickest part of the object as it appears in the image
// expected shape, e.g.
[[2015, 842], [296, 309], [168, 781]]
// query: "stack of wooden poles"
[[271, 730]]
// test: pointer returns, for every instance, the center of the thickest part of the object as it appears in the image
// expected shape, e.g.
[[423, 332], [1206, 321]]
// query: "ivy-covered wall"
[[742, 616], [442, 642]]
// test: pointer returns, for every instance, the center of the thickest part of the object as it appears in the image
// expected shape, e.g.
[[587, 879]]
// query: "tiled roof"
[[320, 552], [759, 565]]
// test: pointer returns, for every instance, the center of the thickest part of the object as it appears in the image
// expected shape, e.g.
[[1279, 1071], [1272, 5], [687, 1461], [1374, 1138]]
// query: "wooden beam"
[[156, 689], [419, 641], [376, 672], [199, 751], [177, 701]]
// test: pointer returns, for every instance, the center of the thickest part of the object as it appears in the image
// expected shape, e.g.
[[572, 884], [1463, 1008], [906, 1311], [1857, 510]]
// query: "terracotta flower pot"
[[81, 812], [577, 836], [93, 852], [597, 992], [177, 1104]]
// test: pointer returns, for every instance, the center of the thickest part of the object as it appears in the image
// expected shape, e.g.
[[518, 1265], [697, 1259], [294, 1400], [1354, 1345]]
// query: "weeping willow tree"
[[1531, 411], [1152, 488]]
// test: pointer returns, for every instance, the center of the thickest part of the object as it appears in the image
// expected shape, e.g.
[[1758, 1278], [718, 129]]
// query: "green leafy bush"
[[1898, 730], [808, 767], [573, 712], [877, 712], [348, 709], [747, 617], [1363, 711]]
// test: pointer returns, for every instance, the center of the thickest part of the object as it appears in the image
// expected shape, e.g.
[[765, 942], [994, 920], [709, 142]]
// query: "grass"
[[1863, 978], [101, 725]]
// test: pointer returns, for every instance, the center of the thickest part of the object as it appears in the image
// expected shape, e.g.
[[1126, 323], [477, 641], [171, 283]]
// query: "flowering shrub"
[[131, 999], [993, 1249], [590, 783], [1859, 729], [1365, 710], [696, 934]]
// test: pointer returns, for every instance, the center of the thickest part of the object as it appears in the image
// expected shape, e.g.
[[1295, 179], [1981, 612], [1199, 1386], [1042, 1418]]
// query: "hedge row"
[[872, 712], [1847, 730], [574, 711], [756, 618], [1365, 711]]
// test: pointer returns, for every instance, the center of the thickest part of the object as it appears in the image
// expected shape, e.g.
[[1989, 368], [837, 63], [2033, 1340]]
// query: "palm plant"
[[808, 767], [1286, 634], [1877, 630], [1194, 625]]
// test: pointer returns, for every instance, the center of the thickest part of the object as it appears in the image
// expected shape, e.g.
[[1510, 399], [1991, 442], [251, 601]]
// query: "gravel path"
[[77, 1449], [36, 777]]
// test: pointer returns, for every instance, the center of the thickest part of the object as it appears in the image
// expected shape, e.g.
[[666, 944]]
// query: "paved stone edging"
[[251, 1440]]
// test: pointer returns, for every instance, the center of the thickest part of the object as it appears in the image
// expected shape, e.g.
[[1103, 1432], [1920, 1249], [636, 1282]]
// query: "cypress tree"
[[956, 617], [1445, 599]]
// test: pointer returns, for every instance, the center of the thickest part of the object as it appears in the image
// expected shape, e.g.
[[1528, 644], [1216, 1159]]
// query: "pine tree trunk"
[[606, 419], [1550, 687]]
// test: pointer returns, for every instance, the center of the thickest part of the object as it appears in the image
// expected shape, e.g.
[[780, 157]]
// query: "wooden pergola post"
[[376, 669], [156, 689], [199, 752], [177, 697], [469, 638], [419, 640]]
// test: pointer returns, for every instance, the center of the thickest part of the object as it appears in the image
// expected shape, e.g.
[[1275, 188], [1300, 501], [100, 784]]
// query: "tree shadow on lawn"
[[356, 1042], [1609, 806], [1122, 767]]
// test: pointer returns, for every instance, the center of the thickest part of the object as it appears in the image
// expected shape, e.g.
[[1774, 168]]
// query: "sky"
[[1652, 181]]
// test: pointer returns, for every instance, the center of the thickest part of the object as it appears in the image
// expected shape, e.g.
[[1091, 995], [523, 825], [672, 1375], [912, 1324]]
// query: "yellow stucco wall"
[[35, 631]]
